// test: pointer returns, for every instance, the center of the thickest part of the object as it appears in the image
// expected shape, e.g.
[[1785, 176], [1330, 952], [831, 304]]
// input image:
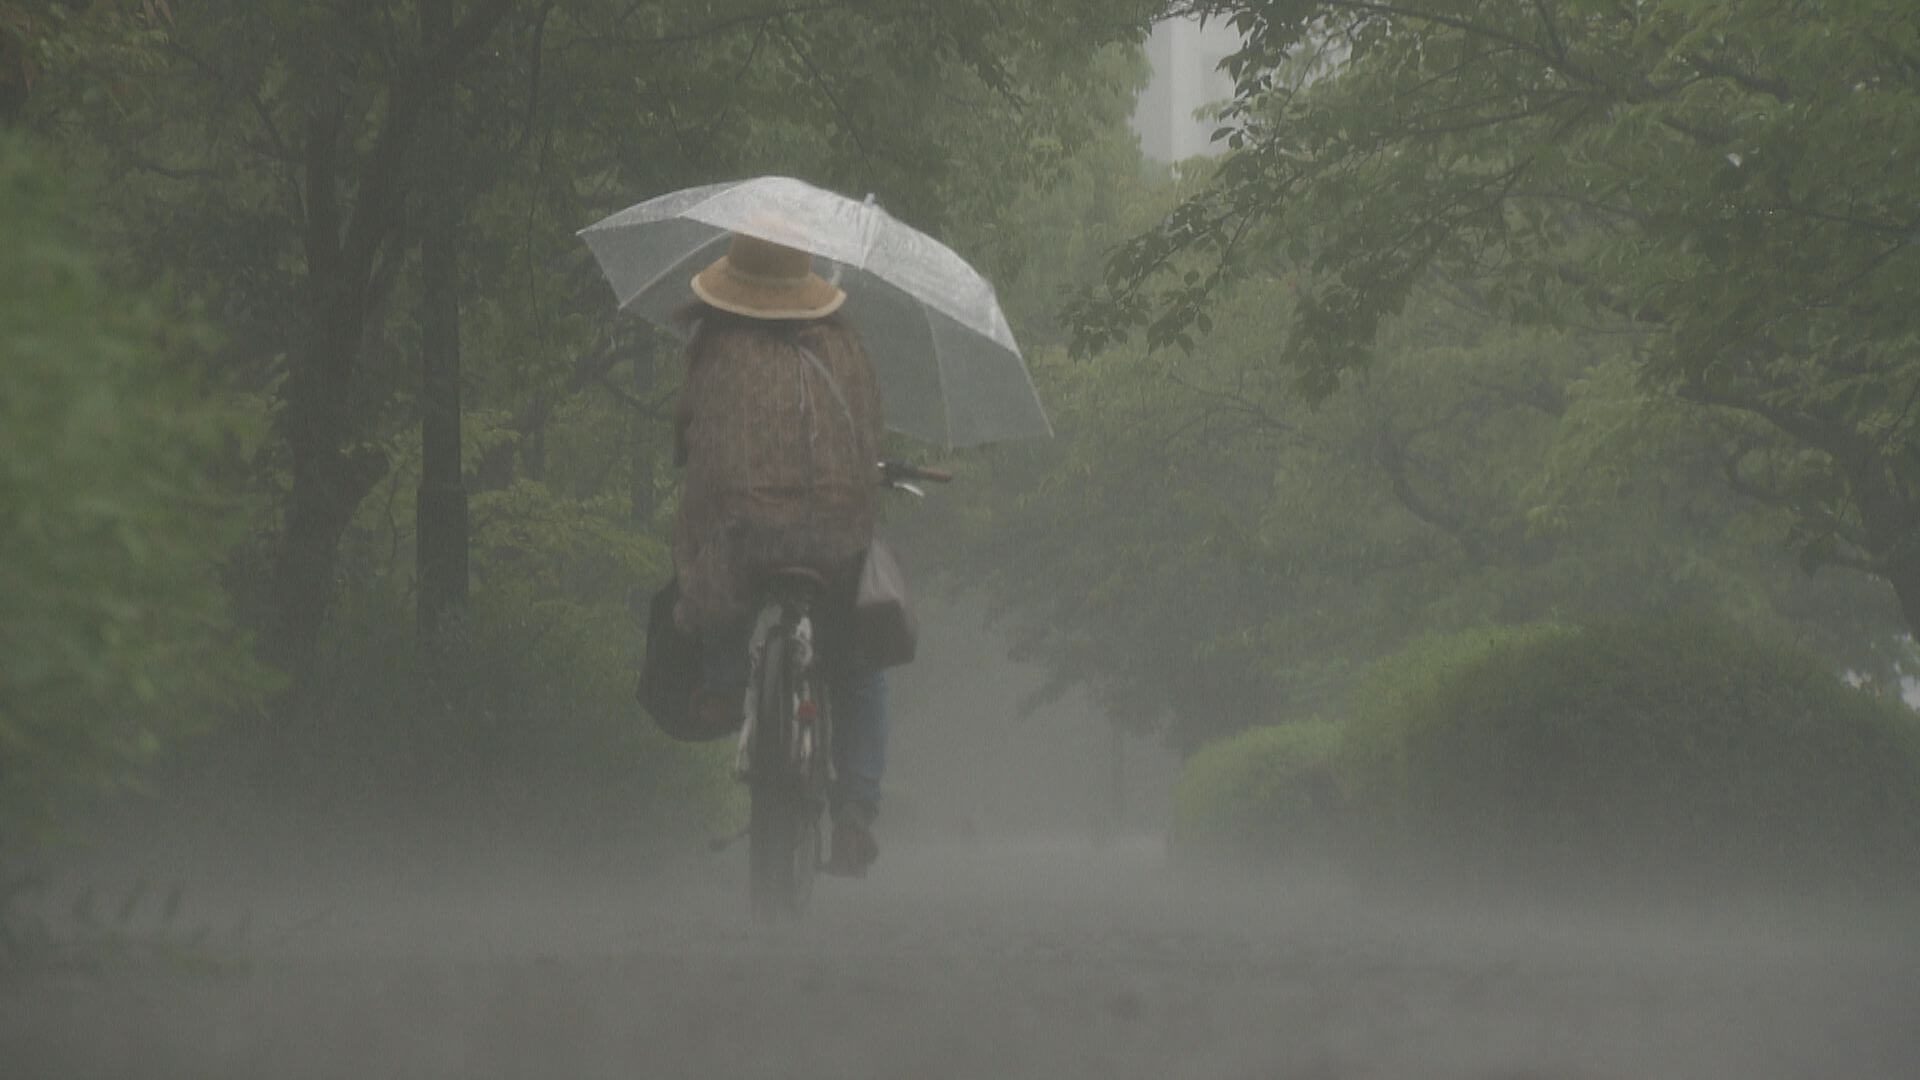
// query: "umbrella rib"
[[609, 224], [676, 265], [590, 231]]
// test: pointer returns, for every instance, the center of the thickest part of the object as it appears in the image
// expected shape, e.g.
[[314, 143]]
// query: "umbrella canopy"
[[946, 362]]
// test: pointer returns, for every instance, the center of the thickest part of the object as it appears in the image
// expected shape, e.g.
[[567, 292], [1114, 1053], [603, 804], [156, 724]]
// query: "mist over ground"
[[1003, 933], [966, 758], [1041, 958]]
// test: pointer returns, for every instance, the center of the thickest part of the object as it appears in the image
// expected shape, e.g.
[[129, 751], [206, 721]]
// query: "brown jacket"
[[782, 462]]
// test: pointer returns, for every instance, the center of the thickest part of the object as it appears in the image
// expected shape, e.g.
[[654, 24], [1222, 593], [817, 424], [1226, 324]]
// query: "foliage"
[[1662, 744], [266, 158], [1730, 182], [1652, 749], [115, 635], [517, 732], [262, 162], [1271, 789], [1496, 315], [1229, 532], [1206, 550], [522, 720], [1388, 713]]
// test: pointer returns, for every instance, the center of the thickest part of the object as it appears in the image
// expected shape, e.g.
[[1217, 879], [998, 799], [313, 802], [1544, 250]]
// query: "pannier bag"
[[670, 671], [884, 626]]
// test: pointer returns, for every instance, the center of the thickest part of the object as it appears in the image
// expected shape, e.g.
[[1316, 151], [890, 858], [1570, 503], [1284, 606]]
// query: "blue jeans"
[[859, 698]]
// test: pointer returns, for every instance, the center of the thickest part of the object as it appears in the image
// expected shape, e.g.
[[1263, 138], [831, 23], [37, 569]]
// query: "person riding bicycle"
[[779, 430]]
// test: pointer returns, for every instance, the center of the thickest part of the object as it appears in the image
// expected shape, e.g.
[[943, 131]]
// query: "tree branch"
[[826, 89], [1776, 88], [170, 172], [1467, 26], [281, 147], [1237, 404], [771, 15], [469, 34], [1391, 455], [535, 67]]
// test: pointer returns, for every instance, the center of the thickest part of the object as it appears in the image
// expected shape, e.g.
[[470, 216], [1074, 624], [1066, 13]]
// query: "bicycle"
[[784, 752]]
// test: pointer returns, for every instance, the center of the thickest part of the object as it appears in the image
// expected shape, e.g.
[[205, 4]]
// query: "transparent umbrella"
[[948, 368]]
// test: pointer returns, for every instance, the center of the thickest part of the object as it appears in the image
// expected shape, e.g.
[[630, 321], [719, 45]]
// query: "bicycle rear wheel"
[[783, 836]]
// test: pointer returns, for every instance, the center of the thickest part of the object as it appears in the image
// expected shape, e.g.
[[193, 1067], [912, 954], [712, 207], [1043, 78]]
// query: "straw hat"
[[764, 280]]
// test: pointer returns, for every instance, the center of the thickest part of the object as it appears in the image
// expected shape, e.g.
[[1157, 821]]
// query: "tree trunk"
[[349, 267], [442, 503], [330, 473], [329, 478]]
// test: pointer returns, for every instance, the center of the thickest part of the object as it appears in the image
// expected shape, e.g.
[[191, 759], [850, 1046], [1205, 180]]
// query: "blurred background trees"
[[273, 170], [1486, 316], [114, 445]]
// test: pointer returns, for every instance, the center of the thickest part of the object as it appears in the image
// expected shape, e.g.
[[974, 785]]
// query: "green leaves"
[[112, 620], [1733, 182], [1214, 544], [1646, 744]]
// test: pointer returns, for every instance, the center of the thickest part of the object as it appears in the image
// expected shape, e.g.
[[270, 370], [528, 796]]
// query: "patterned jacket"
[[779, 428]]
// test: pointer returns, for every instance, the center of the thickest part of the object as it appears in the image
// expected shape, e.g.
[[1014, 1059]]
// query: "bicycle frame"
[[785, 747], [785, 617]]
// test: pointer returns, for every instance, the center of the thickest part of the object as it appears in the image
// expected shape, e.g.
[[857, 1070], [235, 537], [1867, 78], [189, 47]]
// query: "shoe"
[[854, 849]]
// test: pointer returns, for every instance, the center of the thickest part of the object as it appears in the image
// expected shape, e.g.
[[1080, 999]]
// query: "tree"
[[1730, 181], [115, 634], [268, 158], [442, 500], [1204, 548], [1206, 551]]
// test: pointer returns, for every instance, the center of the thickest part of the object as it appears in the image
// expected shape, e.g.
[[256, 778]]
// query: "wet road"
[[1033, 959]]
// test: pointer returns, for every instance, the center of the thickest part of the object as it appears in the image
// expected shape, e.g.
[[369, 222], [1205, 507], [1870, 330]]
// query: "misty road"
[[1007, 959]]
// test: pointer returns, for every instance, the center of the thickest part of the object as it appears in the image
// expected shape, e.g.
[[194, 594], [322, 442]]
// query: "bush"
[[1655, 749], [1387, 712], [1270, 789], [518, 735]]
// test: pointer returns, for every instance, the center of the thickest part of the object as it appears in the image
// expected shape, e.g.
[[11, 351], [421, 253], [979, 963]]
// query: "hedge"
[[1657, 747]]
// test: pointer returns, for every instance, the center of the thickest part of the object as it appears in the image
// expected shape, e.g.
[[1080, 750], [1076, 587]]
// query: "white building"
[[1186, 77]]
